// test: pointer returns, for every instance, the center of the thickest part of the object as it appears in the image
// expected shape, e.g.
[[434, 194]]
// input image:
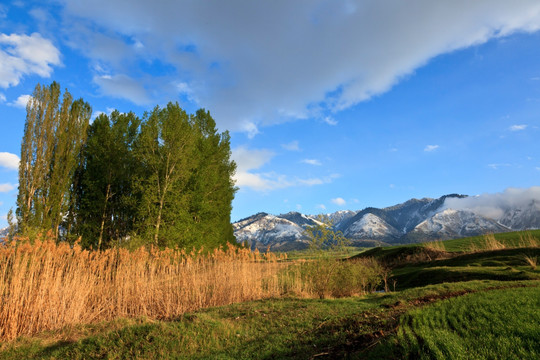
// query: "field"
[[441, 304]]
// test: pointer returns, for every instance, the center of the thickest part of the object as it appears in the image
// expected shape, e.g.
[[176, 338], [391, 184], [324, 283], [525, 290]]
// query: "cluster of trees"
[[165, 179]]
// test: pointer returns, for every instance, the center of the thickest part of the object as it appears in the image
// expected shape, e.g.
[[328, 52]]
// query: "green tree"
[[165, 149], [106, 203], [54, 133], [323, 237], [211, 184]]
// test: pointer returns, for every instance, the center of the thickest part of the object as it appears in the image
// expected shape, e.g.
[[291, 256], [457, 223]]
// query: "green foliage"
[[54, 133], [329, 277], [186, 182], [165, 180], [323, 237], [106, 202]]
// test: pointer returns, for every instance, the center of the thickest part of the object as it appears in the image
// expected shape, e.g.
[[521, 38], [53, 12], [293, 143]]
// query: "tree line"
[[164, 179]]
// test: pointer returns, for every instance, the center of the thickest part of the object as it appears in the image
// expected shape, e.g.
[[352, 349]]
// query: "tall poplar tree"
[[211, 185], [106, 203], [165, 150], [53, 135]]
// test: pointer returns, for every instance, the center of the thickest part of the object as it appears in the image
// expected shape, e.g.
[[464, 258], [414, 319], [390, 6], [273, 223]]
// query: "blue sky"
[[331, 104]]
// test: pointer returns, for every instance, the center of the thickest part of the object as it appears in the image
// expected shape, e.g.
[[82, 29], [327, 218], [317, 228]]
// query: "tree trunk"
[[103, 216]]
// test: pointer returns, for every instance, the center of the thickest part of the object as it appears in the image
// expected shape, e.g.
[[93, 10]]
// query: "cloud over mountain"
[[494, 205]]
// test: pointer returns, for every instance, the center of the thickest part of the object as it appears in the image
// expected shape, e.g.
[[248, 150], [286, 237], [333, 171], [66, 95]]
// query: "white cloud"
[[2, 98], [339, 201], [430, 148], [498, 166], [330, 121], [518, 127], [22, 55], [95, 114], [255, 61], [494, 205], [312, 162], [9, 160], [6, 187], [292, 146], [250, 129], [249, 160], [321, 206], [21, 101]]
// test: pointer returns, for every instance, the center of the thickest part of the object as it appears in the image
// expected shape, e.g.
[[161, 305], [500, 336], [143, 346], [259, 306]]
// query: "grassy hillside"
[[458, 305]]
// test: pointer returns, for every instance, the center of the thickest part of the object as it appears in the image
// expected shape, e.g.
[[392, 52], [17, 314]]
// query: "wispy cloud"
[[249, 161], [250, 129], [498, 166], [9, 160], [518, 127], [321, 206], [430, 148], [330, 121], [292, 146], [339, 201], [314, 162], [124, 87], [6, 187]]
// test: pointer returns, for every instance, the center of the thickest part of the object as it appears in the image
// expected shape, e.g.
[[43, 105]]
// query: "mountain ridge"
[[415, 220]]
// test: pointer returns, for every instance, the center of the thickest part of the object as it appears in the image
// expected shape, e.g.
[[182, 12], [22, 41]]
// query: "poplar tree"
[[54, 132], [106, 203], [165, 151], [212, 187]]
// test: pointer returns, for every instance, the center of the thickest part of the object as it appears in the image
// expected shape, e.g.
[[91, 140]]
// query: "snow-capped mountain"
[[280, 233], [522, 217], [370, 226], [415, 220], [450, 224]]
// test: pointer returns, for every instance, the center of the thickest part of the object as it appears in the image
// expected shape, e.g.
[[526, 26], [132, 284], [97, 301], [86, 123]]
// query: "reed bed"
[[46, 285]]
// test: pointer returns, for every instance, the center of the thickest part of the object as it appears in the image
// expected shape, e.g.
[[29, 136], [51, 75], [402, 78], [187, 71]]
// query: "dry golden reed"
[[45, 285]]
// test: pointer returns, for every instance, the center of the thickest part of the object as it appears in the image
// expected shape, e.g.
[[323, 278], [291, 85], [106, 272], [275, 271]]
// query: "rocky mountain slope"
[[415, 220]]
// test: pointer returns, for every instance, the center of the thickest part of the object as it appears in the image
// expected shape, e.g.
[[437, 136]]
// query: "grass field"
[[475, 305]]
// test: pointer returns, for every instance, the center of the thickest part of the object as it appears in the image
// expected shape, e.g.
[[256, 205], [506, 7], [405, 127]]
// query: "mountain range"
[[416, 220]]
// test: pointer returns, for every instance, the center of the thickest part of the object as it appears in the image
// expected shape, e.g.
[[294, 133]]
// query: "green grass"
[[346, 252], [270, 329], [390, 253], [504, 265], [497, 324], [509, 239]]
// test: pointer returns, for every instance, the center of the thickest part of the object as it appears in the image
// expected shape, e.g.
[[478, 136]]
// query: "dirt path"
[[370, 328]]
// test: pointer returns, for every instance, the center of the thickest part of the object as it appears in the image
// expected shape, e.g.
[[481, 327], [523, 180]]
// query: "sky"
[[331, 104]]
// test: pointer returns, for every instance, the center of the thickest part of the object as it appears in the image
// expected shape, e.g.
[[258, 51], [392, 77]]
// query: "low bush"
[[328, 277]]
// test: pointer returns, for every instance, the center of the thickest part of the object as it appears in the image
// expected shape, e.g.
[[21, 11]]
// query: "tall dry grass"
[[46, 286], [528, 240], [491, 243]]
